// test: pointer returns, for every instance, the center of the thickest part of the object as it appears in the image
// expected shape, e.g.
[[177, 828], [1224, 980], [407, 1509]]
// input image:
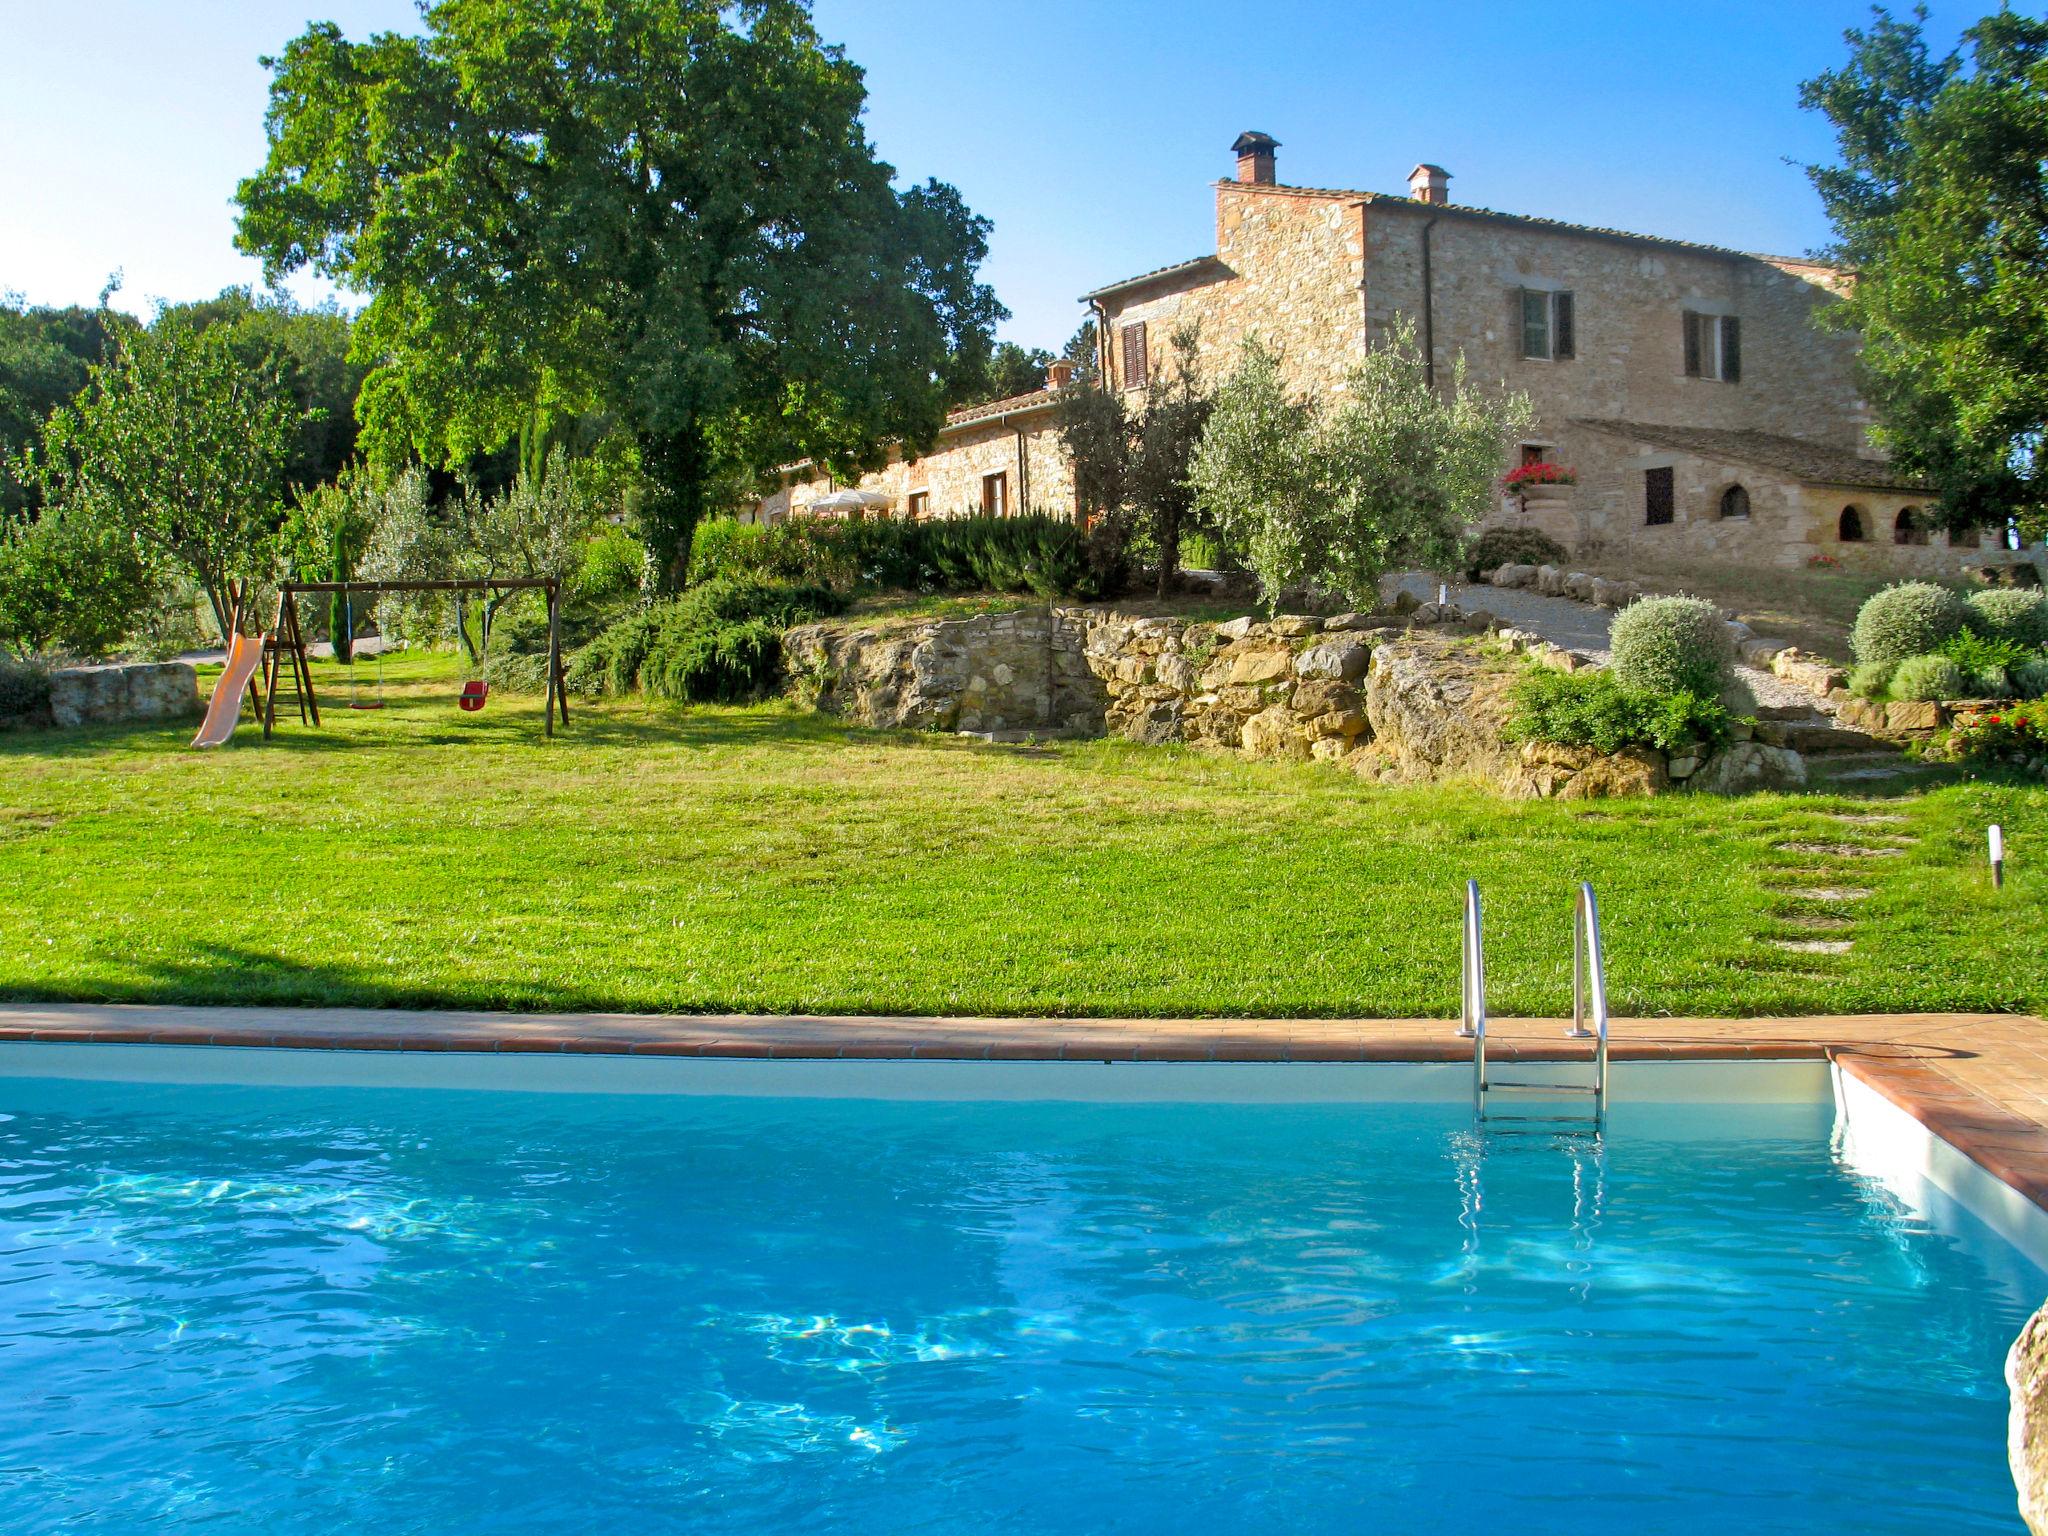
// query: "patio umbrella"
[[851, 501]]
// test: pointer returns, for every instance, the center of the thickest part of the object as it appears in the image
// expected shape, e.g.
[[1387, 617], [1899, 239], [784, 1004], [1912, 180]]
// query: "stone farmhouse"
[[1704, 413]]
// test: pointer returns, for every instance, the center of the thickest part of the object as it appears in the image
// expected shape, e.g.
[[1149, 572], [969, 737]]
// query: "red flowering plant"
[[1823, 562], [1516, 481], [2015, 735]]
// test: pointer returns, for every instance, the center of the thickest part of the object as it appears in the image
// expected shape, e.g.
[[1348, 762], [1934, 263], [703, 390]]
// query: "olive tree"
[[1389, 474]]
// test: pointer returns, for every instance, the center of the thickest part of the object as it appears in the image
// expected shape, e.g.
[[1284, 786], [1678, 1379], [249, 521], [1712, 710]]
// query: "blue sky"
[[1088, 132]]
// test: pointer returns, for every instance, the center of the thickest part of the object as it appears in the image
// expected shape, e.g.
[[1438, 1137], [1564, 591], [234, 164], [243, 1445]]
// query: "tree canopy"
[[665, 212], [1940, 206]]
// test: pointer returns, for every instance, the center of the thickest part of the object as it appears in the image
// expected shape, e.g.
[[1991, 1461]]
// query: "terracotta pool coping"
[[1979, 1081]]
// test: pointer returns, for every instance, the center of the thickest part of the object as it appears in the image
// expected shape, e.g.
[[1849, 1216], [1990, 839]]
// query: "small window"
[[1548, 324], [1849, 526], [1657, 497], [920, 505], [995, 495], [1909, 527], [1713, 347], [1137, 361], [1533, 453], [1734, 502]]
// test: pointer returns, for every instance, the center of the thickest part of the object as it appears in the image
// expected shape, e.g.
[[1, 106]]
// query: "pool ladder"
[[1589, 992]]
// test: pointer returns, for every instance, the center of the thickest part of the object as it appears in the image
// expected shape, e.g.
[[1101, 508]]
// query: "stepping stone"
[[1828, 893], [1815, 922], [1812, 946], [1841, 850], [1866, 818]]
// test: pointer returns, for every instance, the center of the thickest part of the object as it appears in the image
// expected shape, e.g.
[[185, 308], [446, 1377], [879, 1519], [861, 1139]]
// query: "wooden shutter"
[[1657, 497], [1692, 345], [1137, 362], [1564, 331], [1731, 348]]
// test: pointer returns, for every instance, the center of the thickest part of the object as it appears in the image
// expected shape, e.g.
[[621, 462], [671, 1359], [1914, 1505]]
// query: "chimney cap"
[[1426, 169], [1252, 142]]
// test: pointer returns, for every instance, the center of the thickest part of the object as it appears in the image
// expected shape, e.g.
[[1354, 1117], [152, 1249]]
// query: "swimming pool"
[[339, 1309]]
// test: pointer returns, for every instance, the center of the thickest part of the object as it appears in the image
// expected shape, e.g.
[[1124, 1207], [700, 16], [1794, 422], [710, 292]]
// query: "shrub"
[[1989, 662], [1592, 709], [24, 691], [1870, 679], [1672, 645], [2030, 678], [613, 565], [1929, 677], [517, 671], [1512, 546], [1911, 619], [719, 641], [2017, 736], [2015, 614]]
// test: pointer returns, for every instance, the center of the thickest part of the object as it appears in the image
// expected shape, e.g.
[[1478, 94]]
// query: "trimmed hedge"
[[2011, 613], [1672, 645], [1910, 619], [1512, 546], [1928, 678]]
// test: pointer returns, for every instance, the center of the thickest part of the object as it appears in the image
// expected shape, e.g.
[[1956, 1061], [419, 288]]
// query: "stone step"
[[1817, 738], [1869, 768]]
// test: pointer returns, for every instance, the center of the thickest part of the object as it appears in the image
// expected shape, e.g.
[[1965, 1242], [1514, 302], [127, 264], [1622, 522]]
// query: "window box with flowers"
[[1541, 481]]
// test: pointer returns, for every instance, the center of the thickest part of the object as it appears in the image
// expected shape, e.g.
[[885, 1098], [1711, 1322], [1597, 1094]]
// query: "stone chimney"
[[1254, 153], [1430, 184], [1059, 375]]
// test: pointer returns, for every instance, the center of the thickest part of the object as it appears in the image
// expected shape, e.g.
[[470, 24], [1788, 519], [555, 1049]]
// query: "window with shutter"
[[1692, 345], [1137, 363], [1535, 323], [1564, 340], [995, 495], [1731, 348], [1657, 498]]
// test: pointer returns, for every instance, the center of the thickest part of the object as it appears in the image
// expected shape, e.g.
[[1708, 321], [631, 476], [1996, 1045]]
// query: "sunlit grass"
[[765, 860]]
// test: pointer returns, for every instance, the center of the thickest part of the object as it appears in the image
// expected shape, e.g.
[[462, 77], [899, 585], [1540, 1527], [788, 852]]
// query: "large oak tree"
[[664, 212]]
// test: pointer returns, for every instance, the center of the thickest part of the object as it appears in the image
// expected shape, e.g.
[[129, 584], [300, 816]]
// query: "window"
[[1713, 347], [920, 505], [1547, 322], [1734, 502], [1533, 453], [1657, 498], [1909, 527], [995, 494], [1137, 361], [1849, 527]]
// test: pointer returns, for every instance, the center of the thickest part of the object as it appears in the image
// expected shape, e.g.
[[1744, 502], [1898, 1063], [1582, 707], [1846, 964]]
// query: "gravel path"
[[1578, 627]]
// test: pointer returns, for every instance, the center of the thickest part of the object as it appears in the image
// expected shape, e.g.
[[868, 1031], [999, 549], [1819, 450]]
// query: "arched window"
[[1735, 502], [1908, 528], [1850, 528]]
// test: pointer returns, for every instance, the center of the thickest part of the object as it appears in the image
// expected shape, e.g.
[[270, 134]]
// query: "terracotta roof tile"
[[1812, 463], [1175, 270], [1036, 400]]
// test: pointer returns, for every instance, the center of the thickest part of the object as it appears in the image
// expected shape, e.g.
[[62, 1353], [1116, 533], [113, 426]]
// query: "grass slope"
[[760, 860]]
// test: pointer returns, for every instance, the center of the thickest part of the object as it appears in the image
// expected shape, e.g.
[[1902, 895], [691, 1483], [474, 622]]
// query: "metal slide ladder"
[[1589, 990]]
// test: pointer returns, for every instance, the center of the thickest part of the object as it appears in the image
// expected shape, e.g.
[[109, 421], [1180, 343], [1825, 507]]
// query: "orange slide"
[[224, 709]]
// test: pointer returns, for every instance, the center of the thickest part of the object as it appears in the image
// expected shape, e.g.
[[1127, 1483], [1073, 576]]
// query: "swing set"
[[285, 645]]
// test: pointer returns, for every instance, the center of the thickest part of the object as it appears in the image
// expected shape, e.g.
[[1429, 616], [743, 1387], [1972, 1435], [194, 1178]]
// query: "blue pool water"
[[342, 1310]]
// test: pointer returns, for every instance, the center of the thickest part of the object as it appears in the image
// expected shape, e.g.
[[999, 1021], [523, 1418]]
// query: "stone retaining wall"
[[119, 693]]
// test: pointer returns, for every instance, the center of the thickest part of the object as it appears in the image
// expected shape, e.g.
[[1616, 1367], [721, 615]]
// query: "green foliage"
[[1937, 206], [1910, 619], [1048, 556], [2030, 678], [1672, 645], [2018, 614], [613, 565], [1988, 662], [24, 692], [70, 583], [1132, 464], [666, 213], [1930, 677], [1871, 679], [1592, 709], [46, 358], [1009, 371], [179, 447], [1392, 475], [720, 642], [1512, 546]]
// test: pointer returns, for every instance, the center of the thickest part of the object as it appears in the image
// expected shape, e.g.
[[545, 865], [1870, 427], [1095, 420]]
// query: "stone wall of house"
[[1026, 449], [121, 693]]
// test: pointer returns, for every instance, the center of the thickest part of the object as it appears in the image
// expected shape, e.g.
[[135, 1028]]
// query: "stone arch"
[[1735, 502], [1849, 526]]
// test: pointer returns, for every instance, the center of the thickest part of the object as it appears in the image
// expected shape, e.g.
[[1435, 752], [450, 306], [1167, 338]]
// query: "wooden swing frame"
[[286, 642]]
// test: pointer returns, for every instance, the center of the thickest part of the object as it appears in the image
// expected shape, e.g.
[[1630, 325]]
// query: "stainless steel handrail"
[[1589, 983], [1473, 1026]]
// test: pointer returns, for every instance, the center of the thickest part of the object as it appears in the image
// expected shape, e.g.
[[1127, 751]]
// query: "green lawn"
[[760, 860]]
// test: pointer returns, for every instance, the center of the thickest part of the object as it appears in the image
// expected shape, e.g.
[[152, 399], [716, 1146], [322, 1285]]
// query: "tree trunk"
[[678, 468], [1169, 552]]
